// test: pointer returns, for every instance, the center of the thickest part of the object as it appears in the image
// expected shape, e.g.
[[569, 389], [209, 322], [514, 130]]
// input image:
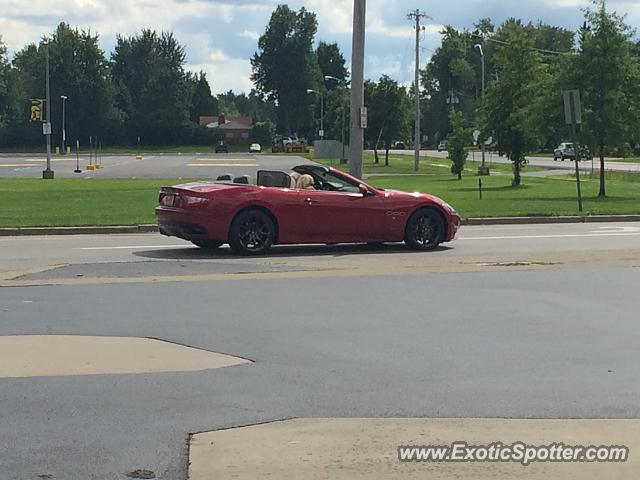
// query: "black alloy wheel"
[[425, 230], [252, 233]]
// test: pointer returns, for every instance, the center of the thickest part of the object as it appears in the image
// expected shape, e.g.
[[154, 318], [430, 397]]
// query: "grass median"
[[79, 202]]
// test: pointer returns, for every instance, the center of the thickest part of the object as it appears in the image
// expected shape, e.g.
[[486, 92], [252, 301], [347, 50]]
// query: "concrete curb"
[[152, 228], [5, 232], [551, 219]]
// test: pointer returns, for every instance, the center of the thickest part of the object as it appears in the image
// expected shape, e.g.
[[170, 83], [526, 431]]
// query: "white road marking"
[[222, 165], [506, 237], [528, 237], [619, 229]]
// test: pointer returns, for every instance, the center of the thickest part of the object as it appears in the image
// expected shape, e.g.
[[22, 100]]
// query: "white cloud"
[[249, 34], [221, 35]]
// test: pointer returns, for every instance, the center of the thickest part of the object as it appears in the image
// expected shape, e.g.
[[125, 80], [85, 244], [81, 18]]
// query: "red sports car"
[[334, 208]]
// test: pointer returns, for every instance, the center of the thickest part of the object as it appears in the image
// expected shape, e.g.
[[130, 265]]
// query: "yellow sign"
[[37, 106]]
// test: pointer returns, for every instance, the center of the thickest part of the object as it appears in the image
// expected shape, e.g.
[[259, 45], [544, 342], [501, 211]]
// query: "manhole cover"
[[145, 474]]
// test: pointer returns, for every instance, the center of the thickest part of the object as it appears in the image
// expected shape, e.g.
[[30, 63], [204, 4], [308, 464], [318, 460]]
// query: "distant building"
[[236, 130]]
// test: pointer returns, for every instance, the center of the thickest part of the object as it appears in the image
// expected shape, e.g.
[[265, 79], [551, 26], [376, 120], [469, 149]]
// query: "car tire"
[[425, 229], [252, 232], [207, 244]]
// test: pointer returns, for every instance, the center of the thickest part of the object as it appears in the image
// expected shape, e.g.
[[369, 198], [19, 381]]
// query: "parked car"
[[400, 146], [338, 208], [222, 147], [564, 151], [255, 148], [442, 146]]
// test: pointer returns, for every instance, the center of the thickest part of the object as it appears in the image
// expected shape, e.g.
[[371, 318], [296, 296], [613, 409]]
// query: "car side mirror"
[[364, 190]]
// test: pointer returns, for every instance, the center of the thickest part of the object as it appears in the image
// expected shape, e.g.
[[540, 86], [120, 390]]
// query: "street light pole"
[[64, 133], [309, 90], [358, 119], [344, 112], [48, 173], [483, 170], [321, 115]]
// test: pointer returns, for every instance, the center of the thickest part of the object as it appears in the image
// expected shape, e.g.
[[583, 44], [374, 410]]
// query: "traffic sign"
[[572, 107], [36, 109]]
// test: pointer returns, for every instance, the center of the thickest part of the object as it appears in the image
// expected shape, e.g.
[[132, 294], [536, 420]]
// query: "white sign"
[[363, 117], [46, 129], [321, 133]]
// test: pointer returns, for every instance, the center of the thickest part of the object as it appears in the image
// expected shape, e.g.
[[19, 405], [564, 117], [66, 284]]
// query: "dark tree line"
[[142, 90]]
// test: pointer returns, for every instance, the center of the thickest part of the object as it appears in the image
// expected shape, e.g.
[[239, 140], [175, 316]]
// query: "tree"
[[148, 70], [389, 112], [453, 71], [262, 133], [78, 70], [457, 143], [202, 102], [285, 66], [332, 63], [4, 87], [608, 79], [511, 108]]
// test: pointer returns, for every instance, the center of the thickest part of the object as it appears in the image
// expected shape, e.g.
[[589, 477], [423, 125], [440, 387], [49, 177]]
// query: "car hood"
[[426, 196], [419, 196]]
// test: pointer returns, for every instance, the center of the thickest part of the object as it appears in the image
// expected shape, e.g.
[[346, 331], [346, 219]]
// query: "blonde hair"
[[305, 182]]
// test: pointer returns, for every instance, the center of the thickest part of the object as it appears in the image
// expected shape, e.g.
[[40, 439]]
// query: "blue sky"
[[220, 36]]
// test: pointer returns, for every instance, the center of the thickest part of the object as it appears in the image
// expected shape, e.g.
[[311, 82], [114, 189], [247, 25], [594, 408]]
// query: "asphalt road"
[[545, 162], [210, 165], [509, 336], [150, 166]]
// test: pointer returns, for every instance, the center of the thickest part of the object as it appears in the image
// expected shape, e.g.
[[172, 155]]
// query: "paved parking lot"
[[150, 166]]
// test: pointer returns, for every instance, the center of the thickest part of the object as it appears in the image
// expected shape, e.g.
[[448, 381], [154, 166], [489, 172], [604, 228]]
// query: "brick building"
[[236, 130]]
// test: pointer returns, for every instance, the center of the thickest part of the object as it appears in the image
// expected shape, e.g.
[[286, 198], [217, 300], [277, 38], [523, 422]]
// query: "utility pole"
[[64, 132], [358, 113], [417, 15], [48, 173], [483, 170]]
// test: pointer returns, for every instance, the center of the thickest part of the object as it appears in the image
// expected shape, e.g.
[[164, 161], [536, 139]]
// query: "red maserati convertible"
[[334, 208]]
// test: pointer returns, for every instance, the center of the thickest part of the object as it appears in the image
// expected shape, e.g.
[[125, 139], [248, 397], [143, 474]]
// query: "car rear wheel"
[[252, 233], [207, 244], [425, 230]]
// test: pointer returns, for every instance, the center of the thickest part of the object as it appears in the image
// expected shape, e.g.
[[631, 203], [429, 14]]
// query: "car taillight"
[[190, 201]]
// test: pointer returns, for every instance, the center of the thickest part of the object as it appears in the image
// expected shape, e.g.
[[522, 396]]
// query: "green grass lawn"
[[75, 202], [536, 197]]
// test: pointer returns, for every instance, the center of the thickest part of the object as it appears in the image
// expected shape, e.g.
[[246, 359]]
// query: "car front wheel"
[[425, 230], [252, 233]]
